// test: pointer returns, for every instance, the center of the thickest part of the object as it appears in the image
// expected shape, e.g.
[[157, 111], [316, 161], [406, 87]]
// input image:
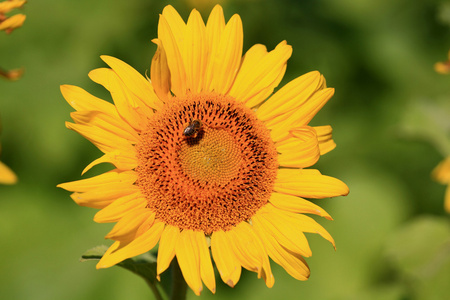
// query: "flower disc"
[[214, 179]]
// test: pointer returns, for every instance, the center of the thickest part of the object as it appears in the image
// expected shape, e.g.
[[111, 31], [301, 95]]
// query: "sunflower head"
[[210, 163]]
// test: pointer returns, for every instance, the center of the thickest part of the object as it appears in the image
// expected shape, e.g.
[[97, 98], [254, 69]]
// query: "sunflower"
[[209, 163]]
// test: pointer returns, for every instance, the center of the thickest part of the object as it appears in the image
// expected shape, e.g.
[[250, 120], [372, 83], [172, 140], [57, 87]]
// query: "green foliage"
[[419, 252], [143, 265]]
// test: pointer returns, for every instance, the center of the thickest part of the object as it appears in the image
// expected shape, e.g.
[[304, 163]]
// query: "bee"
[[192, 129]]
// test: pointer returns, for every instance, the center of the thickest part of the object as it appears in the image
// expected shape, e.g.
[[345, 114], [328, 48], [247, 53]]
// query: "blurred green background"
[[392, 234]]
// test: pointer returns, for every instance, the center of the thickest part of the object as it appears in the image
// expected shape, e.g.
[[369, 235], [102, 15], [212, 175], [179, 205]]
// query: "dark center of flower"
[[208, 175]]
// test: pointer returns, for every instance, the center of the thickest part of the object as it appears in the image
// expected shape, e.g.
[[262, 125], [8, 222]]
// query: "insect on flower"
[[192, 129]]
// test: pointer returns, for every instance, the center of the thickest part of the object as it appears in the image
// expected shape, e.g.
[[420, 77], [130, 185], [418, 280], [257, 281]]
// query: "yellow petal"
[[214, 29], [103, 140], [123, 161], [166, 250], [300, 149], [226, 262], [247, 256], [126, 103], [441, 174], [443, 67], [105, 179], [81, 100], [292, 262], [257, 100], [111, 249], [308, 183], [206, 267], [289, 97], [160, 73], [109, 123], [128, 225], [227, 60], [120, 207], [299, 221], [13, 22], [250, 251], [258, 77], [174, 59], [297, 205], [302, 115], [176, 24], [307, 224], [7, 6], [442, 171], [101, 197], [195, 52], [324, 135], [311, 107], [140, 245], [188, 257], [7, 176], [138, 85], [101, 190], [279, 227]]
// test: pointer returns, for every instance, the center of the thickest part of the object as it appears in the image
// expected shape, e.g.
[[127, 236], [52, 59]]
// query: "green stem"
[[155, 290], [179, 286]]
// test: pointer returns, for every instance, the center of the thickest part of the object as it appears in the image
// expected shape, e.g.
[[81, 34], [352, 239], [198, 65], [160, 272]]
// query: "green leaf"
[[94, 254], [143, 265], [420, 253], [428, 120]]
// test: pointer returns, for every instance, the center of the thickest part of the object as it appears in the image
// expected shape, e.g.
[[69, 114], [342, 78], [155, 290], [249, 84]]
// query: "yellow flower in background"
[[6, 175], [442, 171], [442, 175], [443, 67], [11, 74], [8, 24], [206, 156]]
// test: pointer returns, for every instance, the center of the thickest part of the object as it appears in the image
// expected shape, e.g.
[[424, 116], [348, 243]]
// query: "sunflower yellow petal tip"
[[99, 266], [230, 283]]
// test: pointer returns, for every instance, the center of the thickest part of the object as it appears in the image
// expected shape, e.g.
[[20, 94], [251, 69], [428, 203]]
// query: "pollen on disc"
[[212, 181]]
